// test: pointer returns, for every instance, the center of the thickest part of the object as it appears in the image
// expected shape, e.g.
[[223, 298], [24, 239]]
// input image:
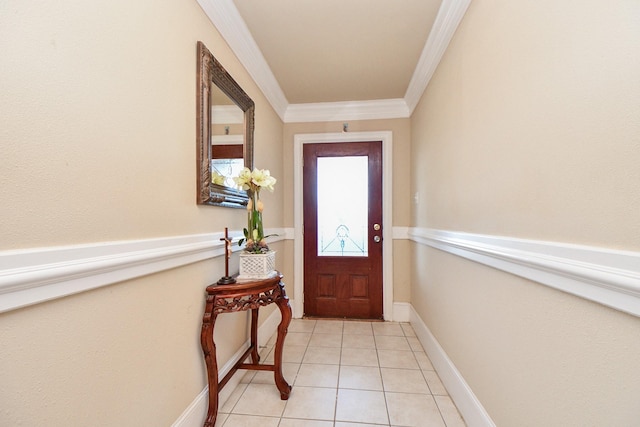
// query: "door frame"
[[387, 211]]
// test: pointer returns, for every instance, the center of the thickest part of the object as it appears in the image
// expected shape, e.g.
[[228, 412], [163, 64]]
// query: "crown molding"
[[226, 114], [225, 17], [444, 27], [349, 110]]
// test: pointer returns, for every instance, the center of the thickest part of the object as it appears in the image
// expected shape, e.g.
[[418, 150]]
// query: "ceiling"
[[336, 50], [322, 60]]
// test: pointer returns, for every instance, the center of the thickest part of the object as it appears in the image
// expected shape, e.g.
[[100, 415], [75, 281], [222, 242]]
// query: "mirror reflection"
[[227, 139], [225, 119]]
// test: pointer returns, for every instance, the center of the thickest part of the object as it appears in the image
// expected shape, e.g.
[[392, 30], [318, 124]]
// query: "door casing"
[[387, 211]]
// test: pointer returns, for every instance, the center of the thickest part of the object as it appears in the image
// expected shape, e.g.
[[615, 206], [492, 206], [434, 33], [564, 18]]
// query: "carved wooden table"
[[243, 296]]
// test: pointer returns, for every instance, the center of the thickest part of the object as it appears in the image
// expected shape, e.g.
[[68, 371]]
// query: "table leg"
[[255, 357], [209, 350], [281, 383]]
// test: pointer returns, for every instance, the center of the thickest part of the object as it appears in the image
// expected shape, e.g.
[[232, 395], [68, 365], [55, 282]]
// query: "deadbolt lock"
[[376, 227]]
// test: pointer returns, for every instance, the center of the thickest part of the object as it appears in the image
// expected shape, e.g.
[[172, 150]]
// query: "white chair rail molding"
[[609, 277]]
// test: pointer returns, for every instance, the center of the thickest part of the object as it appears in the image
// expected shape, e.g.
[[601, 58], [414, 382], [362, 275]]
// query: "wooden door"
[[342, 185]]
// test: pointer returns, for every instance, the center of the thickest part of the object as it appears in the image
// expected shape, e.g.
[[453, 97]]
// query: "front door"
[[342, 185]]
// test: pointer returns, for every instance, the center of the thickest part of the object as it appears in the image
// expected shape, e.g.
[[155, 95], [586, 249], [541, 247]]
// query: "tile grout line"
[[384, 394], [335, 405]]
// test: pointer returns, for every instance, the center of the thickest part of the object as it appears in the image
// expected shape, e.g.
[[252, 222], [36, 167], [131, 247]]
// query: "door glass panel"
[[343, 206], [223, 171]]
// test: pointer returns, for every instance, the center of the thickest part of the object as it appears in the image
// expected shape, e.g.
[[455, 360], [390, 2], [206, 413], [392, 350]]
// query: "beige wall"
[[400, 199], [99, 112], [535, 113], [98, 144], [530, 128]]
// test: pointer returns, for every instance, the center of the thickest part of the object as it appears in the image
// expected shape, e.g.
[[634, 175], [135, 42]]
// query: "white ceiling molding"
[[227, 140], [449, 16], [226, 115], [225, 17], [349, 110]]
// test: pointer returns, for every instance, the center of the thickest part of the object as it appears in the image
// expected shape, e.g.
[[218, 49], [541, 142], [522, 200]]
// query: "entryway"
[[359, 283], [342, 194]]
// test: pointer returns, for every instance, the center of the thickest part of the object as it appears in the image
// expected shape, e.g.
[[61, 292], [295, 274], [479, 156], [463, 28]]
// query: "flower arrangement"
[[253, 182]]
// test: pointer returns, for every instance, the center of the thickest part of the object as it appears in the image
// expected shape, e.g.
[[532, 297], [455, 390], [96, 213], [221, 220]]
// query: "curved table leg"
[[209, 350], [281, 383]]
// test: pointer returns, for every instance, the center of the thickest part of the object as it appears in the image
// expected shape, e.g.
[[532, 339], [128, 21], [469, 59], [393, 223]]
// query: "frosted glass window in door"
[[226, 169], [343, 206]]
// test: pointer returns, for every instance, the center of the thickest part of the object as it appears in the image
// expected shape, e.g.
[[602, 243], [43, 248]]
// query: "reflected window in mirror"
[[227, 139]]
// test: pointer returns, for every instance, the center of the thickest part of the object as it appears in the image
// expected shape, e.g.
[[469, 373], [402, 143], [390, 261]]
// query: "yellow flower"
[[260, 205]]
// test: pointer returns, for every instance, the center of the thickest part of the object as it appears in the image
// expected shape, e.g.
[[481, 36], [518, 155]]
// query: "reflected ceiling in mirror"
[[225, 133]]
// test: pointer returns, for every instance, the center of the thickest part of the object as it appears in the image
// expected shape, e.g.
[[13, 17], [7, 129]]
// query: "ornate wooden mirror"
[[224, 133]]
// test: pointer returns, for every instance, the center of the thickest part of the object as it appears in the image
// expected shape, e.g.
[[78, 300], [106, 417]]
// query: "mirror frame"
[[210, 71]]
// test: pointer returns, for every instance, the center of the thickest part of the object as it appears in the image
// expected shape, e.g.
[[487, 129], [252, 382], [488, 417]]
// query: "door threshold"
[[305, 317]]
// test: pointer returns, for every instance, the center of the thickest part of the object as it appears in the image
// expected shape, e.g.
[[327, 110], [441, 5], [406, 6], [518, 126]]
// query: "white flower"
[[263, 179], [243, 179], [256, 180], [253, 182]]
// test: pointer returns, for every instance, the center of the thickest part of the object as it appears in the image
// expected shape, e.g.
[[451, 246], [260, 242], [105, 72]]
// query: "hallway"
[[345, 374]]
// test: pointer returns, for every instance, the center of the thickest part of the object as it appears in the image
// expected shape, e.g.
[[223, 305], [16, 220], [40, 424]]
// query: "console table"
[[243, 296]]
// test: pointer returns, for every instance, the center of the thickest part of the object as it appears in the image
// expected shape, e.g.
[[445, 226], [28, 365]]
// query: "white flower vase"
[[257, 266]]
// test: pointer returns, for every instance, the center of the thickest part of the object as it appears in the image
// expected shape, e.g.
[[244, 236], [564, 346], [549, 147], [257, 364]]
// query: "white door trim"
[[387, 211]]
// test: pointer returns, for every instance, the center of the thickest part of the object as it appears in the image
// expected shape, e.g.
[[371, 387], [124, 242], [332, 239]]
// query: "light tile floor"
[[344, 374]]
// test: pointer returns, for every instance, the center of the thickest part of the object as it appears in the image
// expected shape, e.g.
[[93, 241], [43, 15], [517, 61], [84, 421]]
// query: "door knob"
[[377, 239]]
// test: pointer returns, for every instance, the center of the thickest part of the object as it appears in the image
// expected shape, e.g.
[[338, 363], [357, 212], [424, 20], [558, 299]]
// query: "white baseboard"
[[468, 404], [194, 414], [401, 312]]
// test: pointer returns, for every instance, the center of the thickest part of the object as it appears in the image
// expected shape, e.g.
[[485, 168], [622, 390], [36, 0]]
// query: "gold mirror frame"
[[210, 71]]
